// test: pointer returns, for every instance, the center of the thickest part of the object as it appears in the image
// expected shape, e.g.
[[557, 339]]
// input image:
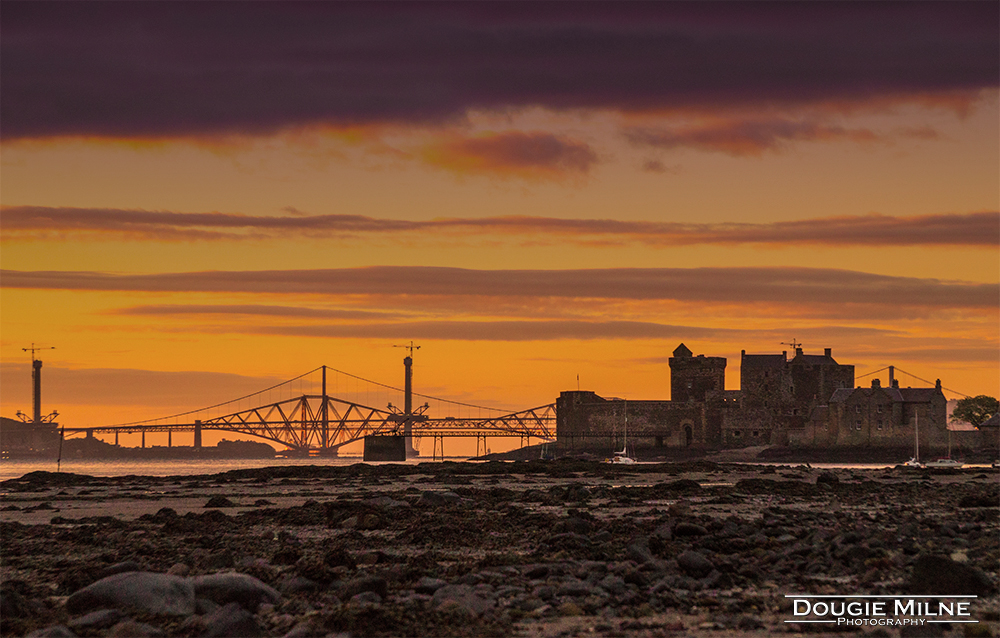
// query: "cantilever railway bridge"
[[313, 422]]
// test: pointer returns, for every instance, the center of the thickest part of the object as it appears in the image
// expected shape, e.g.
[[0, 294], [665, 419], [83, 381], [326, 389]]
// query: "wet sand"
[[535, 548]]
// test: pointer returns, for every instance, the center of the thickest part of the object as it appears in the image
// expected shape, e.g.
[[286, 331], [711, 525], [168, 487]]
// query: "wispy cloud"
[[753, 138], [979, 229], [255, 310], [527, 155], [794, 286], [209, 69]]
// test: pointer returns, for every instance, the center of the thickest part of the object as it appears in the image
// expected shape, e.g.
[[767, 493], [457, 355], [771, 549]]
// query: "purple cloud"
[[161, 69], [970, 229]]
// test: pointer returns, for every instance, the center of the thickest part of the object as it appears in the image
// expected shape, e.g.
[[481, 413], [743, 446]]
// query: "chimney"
[[895, 383], [876, 383], [798, 351], [784, 355], [937, 384], [828, 352]]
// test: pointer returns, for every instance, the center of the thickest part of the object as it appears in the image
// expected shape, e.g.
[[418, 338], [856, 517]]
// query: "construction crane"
[[795, 344], [410, 347], [35, 349]]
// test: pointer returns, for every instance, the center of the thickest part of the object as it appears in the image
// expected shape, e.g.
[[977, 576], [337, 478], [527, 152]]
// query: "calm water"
[[170, 467]]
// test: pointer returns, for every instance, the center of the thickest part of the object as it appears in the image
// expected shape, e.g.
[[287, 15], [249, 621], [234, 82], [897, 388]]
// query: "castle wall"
[[586, 420]]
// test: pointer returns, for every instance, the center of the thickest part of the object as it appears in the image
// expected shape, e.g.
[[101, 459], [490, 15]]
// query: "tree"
[[975, 410]]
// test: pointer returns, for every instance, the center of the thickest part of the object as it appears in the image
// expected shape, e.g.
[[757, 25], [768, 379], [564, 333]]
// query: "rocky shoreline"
[[531, 548]]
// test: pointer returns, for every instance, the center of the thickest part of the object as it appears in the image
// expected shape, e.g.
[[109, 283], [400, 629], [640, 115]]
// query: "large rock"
[[160, 594], [233, 587], [695, 564], [938, 575], [232, 621]]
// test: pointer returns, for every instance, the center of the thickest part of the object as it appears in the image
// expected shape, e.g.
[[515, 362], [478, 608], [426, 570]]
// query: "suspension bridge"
[[321, 411]]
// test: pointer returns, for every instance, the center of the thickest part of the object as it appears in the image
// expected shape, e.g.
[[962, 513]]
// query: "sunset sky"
[[201, 199]]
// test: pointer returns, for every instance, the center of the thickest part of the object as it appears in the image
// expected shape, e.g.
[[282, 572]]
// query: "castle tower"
[[692, 378]]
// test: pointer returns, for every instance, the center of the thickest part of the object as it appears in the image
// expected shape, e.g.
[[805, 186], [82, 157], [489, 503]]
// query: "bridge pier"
[[437, 437], [170, 439], [144, 438], [197, 434]]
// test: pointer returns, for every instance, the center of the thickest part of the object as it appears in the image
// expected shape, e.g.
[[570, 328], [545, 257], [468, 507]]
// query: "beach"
[[531, 548]]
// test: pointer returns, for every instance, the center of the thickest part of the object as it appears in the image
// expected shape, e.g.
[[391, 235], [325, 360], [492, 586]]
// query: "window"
[[857, 424], [879, 409], [755, 433], [857, 409], [737, 433], [880, 424]]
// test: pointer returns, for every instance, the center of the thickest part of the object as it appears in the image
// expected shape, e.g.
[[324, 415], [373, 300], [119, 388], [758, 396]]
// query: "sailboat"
[[622, 458], [915, 461], [946, 461]]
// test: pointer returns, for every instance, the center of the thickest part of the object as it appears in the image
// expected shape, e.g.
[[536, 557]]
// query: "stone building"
[[807, 400], [892, 416], [779, 395]]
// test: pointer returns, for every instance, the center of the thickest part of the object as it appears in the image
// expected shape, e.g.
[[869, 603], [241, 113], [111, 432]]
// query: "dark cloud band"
[[798, 286], [162, 69]]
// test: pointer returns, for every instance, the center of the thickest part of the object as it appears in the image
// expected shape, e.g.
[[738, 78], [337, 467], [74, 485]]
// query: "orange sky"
[[521, 234]]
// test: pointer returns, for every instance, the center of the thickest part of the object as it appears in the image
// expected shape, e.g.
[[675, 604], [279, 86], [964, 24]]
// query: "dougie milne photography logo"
[[880, 610]]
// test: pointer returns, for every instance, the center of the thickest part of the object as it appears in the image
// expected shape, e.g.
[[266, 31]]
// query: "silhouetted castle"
[[807, 400]]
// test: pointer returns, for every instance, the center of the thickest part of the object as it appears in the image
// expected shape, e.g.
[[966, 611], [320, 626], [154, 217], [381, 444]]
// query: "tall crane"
[[36, 387], [408, 416]]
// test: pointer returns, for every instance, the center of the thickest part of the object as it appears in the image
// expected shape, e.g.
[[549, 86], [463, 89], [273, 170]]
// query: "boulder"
[[938, 575], [695, 564], [233, 587], [159, 594]]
